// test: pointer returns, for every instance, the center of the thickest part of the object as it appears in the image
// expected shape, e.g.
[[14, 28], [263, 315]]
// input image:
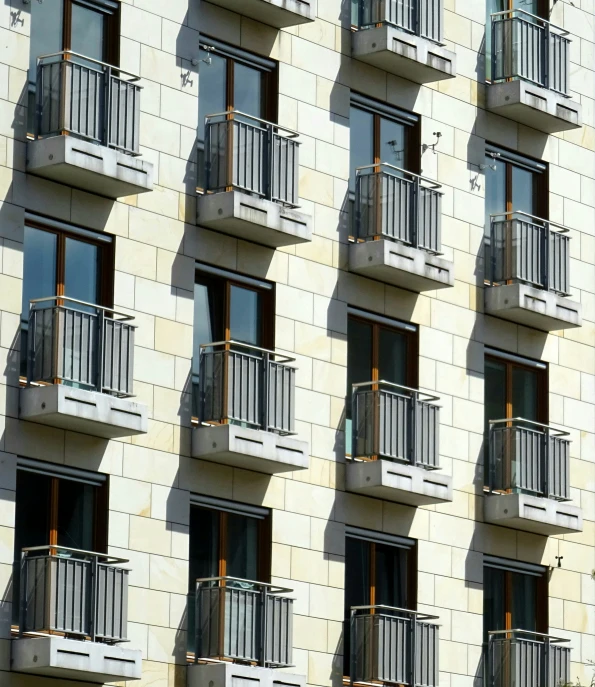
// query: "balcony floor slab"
[[79, 410], [228, 674], [400, 265], [253, 219], [277, 13], [404, 54], [71, 659], [534, 106], [532, 307], [408, 484], [88, 166], [250, 449], [532, 514]]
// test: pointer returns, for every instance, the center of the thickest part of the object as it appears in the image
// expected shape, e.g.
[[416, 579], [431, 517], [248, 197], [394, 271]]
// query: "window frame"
[[111, 48]]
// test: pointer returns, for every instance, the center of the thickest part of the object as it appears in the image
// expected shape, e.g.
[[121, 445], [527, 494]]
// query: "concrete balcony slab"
[[532, 514], [408, 484], [88, 166], [534, 106], [79, 410], [70, 659], [250, 449], [400, 265], [532, 307], [404, 54], [227, 674], [277, 13]]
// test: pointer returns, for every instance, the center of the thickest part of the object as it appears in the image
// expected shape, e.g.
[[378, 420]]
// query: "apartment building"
[[297, 324]]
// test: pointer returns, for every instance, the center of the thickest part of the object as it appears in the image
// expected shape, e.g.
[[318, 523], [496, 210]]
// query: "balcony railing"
[[529, 457], [393, 645], [420, 17], [525, 46], [88, 99], [517, 658], [80, 344], [243, 620], [530, 250], [79, 593], [246, 385], [395, 204], [393, 422], [252, 155]]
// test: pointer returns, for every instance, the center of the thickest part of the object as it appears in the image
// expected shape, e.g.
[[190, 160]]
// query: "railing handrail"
[[562, 229], [418, 615], [228, 578], [511, 12], [290, 132], [56, 547], [62, 53], [435, 184], [231, 342], [560, 432], [124, 316], [551, 638], [428, 398]]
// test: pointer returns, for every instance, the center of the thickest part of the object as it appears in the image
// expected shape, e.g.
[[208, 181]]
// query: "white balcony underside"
[[70, 659], [532, 514], [228, 674], [277, 13], [408, 484], [79, 410]]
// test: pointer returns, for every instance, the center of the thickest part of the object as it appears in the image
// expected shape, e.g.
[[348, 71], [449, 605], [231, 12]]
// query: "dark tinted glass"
[[248, 94], [524, 393], [357, 586], [76, 515], [495, 186], [245, 316], [204, 544], [392, 143], [242, 546], [212, 88], [392, 357], [361, 133], [391, 576], [359, 356], [524, 602], [81, 271], [88, 32], [494, 610], [208, 306], [523, 190], [46, 31], [495, 391], [39, 268]]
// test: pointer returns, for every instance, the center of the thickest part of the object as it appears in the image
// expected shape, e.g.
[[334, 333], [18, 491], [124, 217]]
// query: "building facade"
[[297, 300]]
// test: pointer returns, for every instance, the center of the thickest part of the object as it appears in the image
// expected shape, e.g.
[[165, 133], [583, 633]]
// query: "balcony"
[[246, 407], [397, 227], [393, 646], [80, 360], [529, 267], [87, 127], [251, 181], [247, 627], [73, 617], [403, 38], [395, 445], [527, 659], [529, 478], [530, 73], [277, 13]]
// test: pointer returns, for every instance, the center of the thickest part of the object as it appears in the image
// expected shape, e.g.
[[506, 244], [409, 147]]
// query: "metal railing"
[[392, 422], [528, 47], [252, 155], [82, 345], [243, 620], [247, 385], [529, 457], [420, 17], [398, 205], [528, 249], [77, 593], [517, 658], [88, 99], [393, 645]]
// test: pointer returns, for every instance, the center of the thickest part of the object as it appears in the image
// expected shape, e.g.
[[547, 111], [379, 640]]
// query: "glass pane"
[[88, 32], [524, 602], [245, 316], [76, 515], [39, 268], [391, 576], [523, 190], [248, 90], [357, 586], [81, 272], [46, 32], [212, 88], [531, 6], [242, 547], [495, 391], [494, 610], [524, 393], [207, 309], [361, 132], [495, 186], [359, 353], [393, 143], [392, 357]]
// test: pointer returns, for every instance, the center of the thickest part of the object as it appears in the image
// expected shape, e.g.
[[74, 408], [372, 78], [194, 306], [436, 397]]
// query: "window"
[[379, 570], [515, 596], [87, 27], [61, 506]]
